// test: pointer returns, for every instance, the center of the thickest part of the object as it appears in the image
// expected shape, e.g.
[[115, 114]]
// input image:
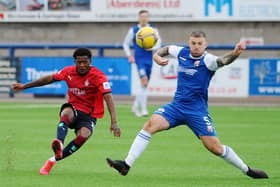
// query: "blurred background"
[[38, 38]]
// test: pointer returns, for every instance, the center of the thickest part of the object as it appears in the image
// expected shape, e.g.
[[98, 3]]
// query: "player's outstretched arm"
[[231, 56], [126, 45], [111, 107], [39, 82], [158, 56]]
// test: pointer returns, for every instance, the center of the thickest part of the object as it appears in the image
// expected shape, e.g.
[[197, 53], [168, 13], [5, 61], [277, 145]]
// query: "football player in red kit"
[[88, 87]]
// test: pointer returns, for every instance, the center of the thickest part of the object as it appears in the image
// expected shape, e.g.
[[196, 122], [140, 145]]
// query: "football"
[[146, 37]]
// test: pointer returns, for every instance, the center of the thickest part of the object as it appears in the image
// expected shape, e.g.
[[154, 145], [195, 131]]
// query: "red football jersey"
[[85, 92]]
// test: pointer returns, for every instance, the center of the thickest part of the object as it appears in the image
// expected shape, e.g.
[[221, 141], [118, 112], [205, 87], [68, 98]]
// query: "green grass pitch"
[[173, 158]]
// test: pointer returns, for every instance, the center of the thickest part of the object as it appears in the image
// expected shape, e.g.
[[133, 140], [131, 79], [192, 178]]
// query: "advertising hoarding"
[[127, 10], [228, 81], [264, 77], [117, 71]]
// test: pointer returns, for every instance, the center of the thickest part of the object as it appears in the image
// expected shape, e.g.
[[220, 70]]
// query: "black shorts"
[[81, 119]]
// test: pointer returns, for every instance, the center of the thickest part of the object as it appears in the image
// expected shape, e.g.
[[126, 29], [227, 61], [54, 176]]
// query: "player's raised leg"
[[155, 124], [82, 136], [213, 144], [66, 118]]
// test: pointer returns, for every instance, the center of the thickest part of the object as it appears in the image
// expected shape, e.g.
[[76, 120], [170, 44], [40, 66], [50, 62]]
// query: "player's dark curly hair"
[[82, 52]]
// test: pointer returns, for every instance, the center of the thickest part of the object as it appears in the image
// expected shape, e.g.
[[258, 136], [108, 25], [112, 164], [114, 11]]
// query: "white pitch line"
[[255, 109], [29, 106]]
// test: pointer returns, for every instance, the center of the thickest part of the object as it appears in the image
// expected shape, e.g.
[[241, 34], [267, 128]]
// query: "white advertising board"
[[231, 80], [127, 10], [228, 81]]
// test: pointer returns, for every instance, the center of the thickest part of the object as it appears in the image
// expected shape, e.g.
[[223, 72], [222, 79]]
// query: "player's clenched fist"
[[17, 87], [240, 47]]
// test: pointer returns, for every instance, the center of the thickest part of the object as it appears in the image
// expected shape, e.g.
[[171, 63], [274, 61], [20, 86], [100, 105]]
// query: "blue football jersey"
[[194, 75], [141, 55]]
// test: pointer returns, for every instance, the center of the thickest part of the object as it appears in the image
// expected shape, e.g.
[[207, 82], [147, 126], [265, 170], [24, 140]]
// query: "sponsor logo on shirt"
[[187, 71], [77, 91], [106, 85]]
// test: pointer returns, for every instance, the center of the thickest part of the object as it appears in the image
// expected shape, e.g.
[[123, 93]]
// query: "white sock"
[[138, 146], [143, 99], [231, 157], [137, 100], [135, 104], [52, 159]]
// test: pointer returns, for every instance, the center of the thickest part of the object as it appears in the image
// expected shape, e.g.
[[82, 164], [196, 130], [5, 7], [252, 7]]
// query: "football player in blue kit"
[[143, 58], [190, 104]]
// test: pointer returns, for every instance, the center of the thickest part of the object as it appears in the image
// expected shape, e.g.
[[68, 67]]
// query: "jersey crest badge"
[[196, 63], [69, 77], [86, 82]]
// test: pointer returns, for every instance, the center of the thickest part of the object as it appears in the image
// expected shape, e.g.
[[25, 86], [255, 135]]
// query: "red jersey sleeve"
[[61, 75], [103, 84]]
